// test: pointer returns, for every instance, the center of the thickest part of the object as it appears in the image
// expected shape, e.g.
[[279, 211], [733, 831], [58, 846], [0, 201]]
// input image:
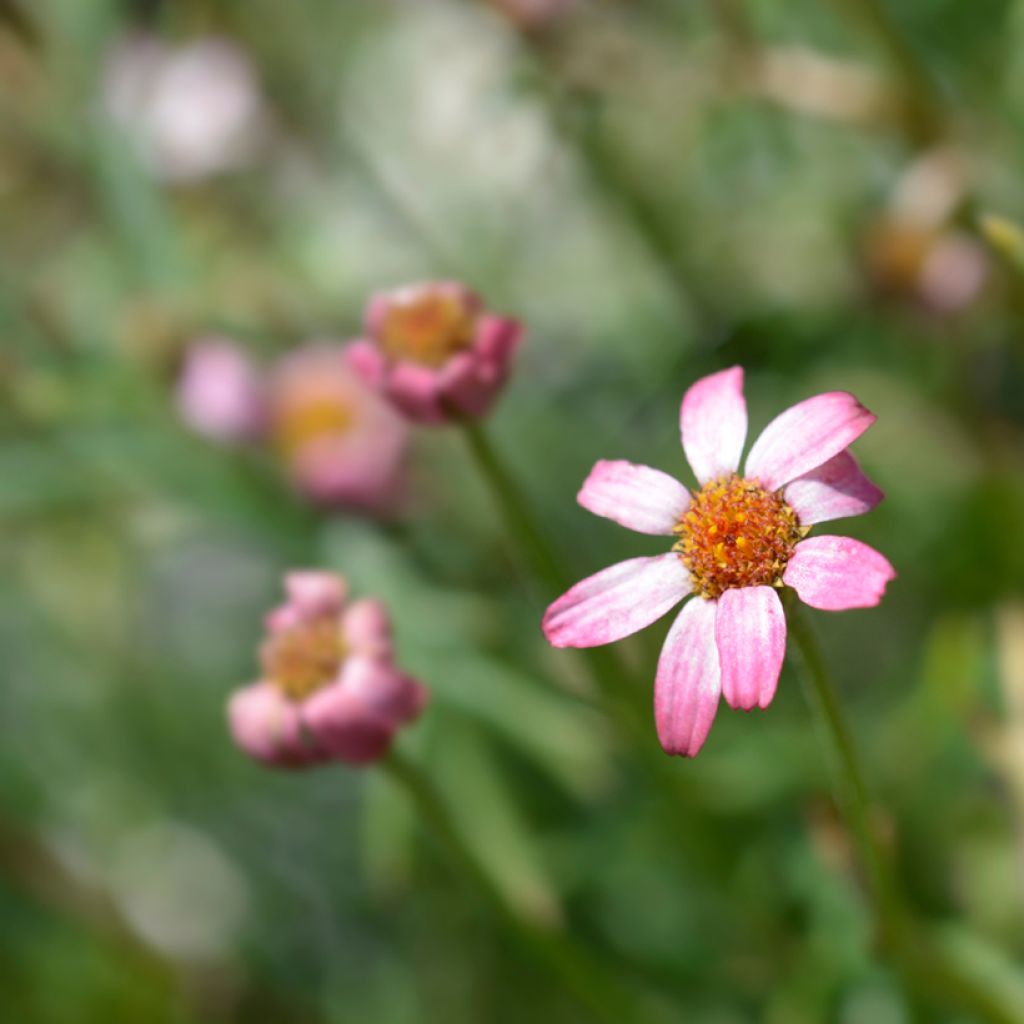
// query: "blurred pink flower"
[[191, 112], [330, 690], [342, 443], [435, 352], [738, 539], [940, 269], [220, 392], [533, 15]]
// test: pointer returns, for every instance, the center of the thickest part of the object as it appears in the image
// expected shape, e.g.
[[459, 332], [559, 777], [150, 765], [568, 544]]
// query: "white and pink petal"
[[750, 631], [713, 424], [837, 489], [688, 682], [637, 497], [836, 573], [806, 436], [616, 602]]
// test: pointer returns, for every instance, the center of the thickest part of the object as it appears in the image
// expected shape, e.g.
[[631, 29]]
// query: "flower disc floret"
[[736, 533], [428, 326], [305, 657]]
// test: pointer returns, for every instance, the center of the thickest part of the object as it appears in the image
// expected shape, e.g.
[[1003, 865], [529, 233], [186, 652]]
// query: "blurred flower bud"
[[435, 352], [533, 15], [940, 269], [342, 443], [330, 690], [914, 251], [190, 112], [220, 392]]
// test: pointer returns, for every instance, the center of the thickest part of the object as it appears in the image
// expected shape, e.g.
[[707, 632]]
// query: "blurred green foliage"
[[657, 189]]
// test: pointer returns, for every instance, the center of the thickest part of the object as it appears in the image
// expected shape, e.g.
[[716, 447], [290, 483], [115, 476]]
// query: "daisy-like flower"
[[343, 445], [435, 352], [738, 539], [330, 689]]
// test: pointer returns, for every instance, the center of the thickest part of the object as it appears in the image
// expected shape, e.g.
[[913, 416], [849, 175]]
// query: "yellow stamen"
[[736, 534], [304, 658], [427, 327]]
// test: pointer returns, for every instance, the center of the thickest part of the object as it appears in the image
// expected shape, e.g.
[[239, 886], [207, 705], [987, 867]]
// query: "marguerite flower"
[[738, 539], [330, 690]]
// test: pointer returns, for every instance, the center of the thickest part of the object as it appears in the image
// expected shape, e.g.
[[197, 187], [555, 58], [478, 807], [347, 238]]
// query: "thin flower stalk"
[[589, 982]]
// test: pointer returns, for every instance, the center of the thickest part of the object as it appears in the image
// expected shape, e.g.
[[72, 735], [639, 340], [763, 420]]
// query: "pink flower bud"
[[435, 352], [330, 690], [220, 394], [342, 443]]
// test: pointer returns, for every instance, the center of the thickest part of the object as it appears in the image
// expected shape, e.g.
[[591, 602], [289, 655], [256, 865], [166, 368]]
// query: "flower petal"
[[366, 628], [688, 682], [497, 338], [268, 727], [616, 602], [750, 631], [314, 592], [806, 436], [364, 358], [415, 390], [834, 490], [637, 497], [713, 421], [344, 727], [388, 693], [835, 573]]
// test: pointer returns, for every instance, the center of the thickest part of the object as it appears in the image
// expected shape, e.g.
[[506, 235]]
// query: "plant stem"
[[589, 982], [509, 498], [925, 965], [925, 106], [604, 664], [624, 702], [853, 796]]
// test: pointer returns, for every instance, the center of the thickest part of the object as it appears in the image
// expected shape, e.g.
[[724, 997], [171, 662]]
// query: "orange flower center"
[[427, 328], [304, 658], [736, 534], [300, 421]]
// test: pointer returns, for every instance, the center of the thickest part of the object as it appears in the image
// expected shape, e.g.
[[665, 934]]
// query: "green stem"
[[604, 664], [508, 496], [625, 701], [589, 982], [925, 965], [925, 101], [853, 795]]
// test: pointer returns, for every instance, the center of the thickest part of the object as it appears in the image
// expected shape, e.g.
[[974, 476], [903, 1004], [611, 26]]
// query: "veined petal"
[[688, 682], [835, 490], [637, 497], [805, 436], [713, 422], [616, 602], [750, 631], [835, 573]]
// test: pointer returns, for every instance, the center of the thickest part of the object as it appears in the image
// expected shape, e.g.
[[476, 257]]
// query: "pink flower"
[[330, 690], [191, 112], [435, 352], [533, 15], [738, 539], [220, 392], [342, 443]]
